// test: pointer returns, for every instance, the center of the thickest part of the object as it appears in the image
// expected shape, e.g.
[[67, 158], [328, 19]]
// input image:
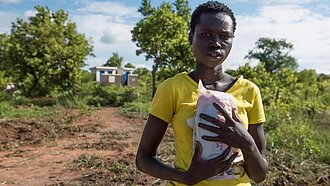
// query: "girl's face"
[[212, 39]]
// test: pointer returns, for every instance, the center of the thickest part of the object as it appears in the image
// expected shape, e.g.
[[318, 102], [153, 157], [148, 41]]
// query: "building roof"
[[109, 68]]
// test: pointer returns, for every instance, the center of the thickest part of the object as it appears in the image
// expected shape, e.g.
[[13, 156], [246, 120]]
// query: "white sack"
[[206, 98]]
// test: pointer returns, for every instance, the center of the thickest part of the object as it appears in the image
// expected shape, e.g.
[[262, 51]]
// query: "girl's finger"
[[210, 119], [224, 113]]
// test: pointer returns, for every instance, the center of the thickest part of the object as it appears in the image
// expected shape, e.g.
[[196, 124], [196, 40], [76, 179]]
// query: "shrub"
[[135, 109]]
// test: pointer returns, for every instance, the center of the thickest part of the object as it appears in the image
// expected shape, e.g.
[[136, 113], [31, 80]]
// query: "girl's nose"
[[216, 42]]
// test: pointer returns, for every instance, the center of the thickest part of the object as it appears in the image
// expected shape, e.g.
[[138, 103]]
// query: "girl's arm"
[[146, 159], [199, 170], [256, 165], [251, 142]]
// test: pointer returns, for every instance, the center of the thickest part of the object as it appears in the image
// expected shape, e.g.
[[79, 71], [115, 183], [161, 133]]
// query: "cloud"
[[107, 37], [30, 13], [286, 1], [325, 7], [308, 31], [111, 8], [102, 28], [10, 1], [116, 33], [5, 23]]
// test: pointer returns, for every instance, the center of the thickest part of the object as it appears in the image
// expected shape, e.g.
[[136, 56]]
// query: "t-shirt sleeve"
[[162, 105], [256, 113]]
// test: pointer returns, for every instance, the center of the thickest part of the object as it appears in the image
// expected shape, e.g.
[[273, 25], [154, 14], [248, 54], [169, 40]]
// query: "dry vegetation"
[[97, 147], [72, 148]]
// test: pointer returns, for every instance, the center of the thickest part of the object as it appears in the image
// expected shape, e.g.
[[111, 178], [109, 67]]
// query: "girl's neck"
[[208, 75]]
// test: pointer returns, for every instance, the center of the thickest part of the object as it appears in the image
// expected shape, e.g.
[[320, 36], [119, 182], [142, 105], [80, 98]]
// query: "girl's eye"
[[224, 37], [205, 35]]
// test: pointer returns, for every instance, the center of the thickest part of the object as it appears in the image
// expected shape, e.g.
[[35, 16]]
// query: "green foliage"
[[87, 76], [273, 54], [46, 52], [89, 161], [144, 85], [297, 111], [3, 50], [129, 65], [289, 131], [97, 94], [9, 110], [162, 36], [277, 87], [114, 60], [182, 6], [4, 81], [146, 8], [135, 109]]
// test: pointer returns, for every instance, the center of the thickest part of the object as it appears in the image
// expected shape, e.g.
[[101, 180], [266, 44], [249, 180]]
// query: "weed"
[[135, 109], [87, 161]]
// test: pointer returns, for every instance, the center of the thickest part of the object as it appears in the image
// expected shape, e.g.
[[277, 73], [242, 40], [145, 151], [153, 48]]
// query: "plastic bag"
[[210, 150]]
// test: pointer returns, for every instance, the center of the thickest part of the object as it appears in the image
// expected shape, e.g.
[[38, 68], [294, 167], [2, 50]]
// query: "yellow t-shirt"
[[176, 100]]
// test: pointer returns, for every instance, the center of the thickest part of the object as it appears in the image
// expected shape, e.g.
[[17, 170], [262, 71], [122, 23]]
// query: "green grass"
[[8, 111], [297, 147], [89, 161], [135, 109]]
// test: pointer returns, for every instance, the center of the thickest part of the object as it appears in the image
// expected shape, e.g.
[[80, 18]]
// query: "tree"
[[129, 65], [46, 52], [144, 83], [3, 49], [308, 78], [273, 54], [114, 61], [183, 9], [278, 87], [162, 36], [146, 8]]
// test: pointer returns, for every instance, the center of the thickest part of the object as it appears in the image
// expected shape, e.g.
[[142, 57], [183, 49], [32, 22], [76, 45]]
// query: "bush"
[[293, 131], [7, 110], [116, 96], [135, 109]]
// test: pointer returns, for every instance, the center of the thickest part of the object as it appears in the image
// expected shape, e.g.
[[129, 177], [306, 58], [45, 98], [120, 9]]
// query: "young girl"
[[212, 28]]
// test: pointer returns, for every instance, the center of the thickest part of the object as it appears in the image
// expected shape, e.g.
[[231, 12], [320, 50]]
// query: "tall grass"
[[8, 111], [297, 145]]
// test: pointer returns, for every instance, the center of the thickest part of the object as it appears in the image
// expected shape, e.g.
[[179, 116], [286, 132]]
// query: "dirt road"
[[99, 149]]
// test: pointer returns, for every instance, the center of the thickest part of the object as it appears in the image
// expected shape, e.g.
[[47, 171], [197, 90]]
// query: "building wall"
[[112, 75]]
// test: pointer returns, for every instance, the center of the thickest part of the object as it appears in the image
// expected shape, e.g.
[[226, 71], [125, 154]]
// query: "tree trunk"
[[154, 70], [34, 85], [306, 94], [74, 89]]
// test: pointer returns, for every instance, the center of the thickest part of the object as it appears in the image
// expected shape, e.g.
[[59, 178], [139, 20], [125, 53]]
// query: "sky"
[[107, 24]]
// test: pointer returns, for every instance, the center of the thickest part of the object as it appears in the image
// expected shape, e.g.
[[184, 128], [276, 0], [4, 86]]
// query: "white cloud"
[[325, 7], [102, 28], [116, 33], [108, 37], [286, 1], [141, 66], [30, 13], [108, 26], [5, 23], [10, 1], [307, 31], [110, 8]]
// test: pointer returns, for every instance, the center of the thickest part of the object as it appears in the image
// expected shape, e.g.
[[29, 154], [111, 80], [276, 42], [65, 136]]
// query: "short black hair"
[[210, 7]]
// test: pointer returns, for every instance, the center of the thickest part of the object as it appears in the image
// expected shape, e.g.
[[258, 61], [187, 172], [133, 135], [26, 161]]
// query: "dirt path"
[[101, 152]]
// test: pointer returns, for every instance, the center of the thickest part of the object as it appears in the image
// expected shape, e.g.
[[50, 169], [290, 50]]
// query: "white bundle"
[[211, 149]]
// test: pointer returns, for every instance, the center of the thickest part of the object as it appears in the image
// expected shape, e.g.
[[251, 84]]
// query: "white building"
[[115, 76]]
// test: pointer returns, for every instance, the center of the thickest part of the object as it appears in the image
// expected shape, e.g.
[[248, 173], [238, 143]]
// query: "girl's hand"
[[200, 169], [232, 132]]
